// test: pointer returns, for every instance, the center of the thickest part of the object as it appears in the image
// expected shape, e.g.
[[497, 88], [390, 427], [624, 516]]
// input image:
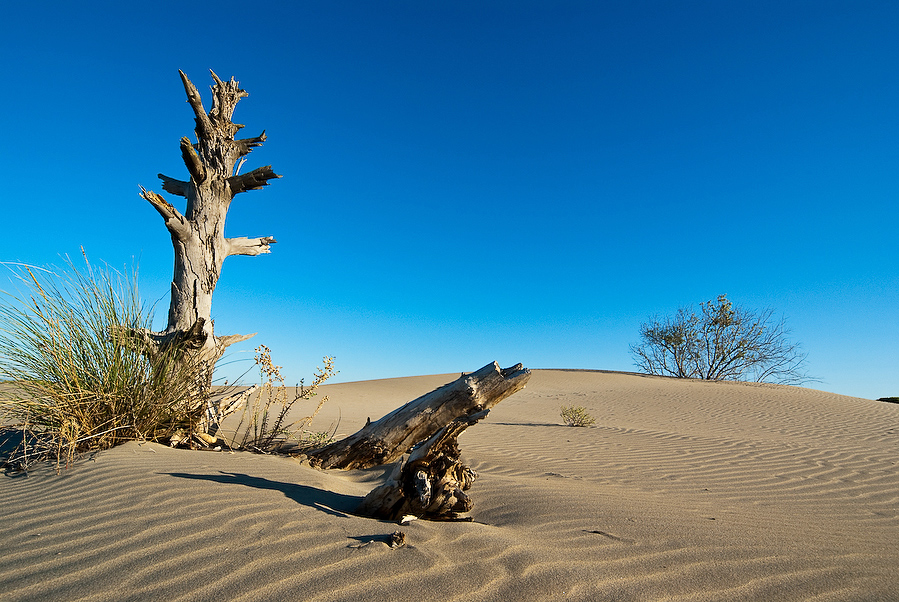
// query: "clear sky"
[[475, 181]]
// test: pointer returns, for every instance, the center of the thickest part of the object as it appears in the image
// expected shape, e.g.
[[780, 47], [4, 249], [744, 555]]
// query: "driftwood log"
[[386, 440], [429, 480]]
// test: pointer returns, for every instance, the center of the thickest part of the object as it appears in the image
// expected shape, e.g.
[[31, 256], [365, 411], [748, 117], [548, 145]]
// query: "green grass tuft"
[[76, 380]]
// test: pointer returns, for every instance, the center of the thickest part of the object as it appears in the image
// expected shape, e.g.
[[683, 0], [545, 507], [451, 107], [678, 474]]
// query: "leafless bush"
[[721, 342]]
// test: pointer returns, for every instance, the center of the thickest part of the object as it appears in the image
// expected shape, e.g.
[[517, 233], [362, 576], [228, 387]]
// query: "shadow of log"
[[336, 504]]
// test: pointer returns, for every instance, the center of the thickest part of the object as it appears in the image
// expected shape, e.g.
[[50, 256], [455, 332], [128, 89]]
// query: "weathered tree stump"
[[430, 482], [198, 234]]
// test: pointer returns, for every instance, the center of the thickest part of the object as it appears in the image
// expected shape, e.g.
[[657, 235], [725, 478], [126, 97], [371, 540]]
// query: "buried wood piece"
[[386, 440], [430, 483], [217, 409]]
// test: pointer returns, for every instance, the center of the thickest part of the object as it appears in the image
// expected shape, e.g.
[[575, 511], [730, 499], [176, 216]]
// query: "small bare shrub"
[[577, 416]]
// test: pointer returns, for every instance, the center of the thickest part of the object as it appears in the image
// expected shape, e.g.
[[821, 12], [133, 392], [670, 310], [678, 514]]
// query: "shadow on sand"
[[336, 504]]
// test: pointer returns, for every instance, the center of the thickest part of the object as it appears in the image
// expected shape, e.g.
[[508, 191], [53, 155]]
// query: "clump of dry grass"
[[266, 425], [76, 380], [577, 416]]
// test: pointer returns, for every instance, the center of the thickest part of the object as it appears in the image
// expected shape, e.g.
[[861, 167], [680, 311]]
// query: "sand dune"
[[682, 490]]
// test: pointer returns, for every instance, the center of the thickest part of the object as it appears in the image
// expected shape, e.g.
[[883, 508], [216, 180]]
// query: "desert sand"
[[682, 490]]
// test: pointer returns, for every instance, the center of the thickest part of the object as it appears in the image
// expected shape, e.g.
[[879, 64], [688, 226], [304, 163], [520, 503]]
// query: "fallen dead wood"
[[386, 440]]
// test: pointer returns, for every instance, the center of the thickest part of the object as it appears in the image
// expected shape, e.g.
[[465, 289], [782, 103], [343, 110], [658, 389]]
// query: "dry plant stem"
[[263, 426]]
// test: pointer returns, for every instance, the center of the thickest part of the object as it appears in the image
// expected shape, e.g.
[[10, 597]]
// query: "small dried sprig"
[[264, 425]]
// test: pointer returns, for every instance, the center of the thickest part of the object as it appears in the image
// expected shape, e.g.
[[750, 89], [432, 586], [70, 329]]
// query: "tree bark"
[[387, 439], [198, 234]]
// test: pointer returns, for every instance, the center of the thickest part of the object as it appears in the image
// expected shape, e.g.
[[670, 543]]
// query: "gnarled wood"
[[387, 439], [198, 234], [430, 483]]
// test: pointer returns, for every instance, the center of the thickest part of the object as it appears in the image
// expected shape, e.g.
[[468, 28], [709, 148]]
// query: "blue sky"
[[475, 181]]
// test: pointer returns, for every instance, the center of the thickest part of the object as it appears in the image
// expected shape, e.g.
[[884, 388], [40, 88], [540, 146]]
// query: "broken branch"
[[250, 246], [174, 221], [252, 180]]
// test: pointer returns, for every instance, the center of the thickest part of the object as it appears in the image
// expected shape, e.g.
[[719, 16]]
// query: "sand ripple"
[[682, 491]]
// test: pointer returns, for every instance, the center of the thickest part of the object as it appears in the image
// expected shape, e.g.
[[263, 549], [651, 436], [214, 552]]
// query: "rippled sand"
[[682, 490]]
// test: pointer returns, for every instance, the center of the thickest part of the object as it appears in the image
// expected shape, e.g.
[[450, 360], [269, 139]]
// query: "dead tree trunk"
[[387, 439], [198, 235]]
